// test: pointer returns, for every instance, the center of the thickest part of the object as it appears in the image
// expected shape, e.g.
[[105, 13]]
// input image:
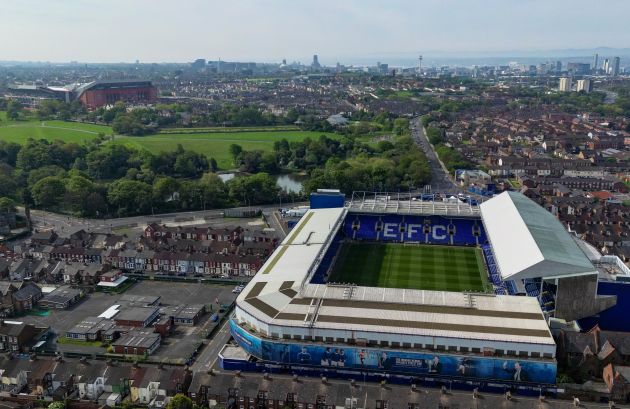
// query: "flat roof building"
[[61, 297], [137, 316]]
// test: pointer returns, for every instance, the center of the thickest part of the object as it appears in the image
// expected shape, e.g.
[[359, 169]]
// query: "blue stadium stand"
[[393, 228], [321, 274]]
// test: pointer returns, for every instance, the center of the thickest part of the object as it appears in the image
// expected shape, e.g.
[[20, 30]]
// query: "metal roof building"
[[529, 242]]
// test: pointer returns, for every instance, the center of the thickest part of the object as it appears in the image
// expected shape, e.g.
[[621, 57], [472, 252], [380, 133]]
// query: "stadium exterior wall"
[[96, 98], [577, 298], [393, 361], [547, 350]]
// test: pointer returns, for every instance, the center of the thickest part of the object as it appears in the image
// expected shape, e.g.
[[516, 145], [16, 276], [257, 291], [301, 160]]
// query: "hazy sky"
[[269, 30]]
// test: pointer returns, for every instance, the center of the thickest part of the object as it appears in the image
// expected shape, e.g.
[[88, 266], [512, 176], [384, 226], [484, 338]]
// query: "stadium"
[[92, 95], [421, 289]]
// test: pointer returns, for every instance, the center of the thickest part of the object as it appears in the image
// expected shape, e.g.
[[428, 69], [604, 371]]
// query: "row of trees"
[[118, 180], [392, 166], [303, 155]]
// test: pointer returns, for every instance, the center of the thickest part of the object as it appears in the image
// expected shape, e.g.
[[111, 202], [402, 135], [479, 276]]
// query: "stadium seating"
[[442, 230], [367, 228], [319, 277], [511, 287], [500, 287]]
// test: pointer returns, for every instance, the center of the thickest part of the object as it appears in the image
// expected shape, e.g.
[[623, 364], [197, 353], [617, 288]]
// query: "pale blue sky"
[[269, 30]]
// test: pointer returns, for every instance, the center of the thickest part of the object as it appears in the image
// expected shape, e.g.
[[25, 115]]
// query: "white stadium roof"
[[280, 294], [529, 242]]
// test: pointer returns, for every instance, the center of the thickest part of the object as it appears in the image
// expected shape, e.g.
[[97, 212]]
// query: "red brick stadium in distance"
[[100, 93]]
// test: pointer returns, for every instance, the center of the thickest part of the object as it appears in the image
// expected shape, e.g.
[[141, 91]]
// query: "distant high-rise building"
[[578, 68], [558, 66], [199, 63], [315, 63], [606, 66], [614, 70], [595, 63], [585, 85], [420, 64], [565, 84]]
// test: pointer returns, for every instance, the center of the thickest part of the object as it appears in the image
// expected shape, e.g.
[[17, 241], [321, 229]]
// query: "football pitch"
[[413, 266]]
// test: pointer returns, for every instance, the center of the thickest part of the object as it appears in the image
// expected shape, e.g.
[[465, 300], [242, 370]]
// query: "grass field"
[[216, 144], [213, 143], [21, 131], [421, 267]]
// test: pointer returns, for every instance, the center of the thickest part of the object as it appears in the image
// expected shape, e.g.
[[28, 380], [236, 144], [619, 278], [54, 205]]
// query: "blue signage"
[[416, 363]]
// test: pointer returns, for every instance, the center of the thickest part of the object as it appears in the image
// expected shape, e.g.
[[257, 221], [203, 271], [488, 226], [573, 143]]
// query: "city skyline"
[[347, 32]]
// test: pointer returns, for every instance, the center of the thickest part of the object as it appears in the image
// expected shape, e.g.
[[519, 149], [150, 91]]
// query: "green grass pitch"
[[421, 267]]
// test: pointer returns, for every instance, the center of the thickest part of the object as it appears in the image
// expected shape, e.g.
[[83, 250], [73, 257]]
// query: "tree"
[[213, 190], [180, 401], [57, 405], [38, 174], [256, 189], [401, 126], [78, 188], [48, 192], [6, 205], [165, 189], [9, 152], [131, 196], [110, 162], [95, 204], [235, 150], [8, 187], [14, 108], [213, 165], [190, 164]]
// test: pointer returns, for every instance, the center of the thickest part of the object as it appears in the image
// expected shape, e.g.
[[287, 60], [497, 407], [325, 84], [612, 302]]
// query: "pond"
[[289, 182]]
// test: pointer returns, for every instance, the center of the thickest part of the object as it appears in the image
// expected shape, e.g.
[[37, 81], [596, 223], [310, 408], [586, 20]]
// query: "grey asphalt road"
[[68, 224], [209, 354], [441, 180]]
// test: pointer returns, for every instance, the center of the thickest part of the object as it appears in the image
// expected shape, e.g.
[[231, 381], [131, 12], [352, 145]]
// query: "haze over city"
[[346, 31]]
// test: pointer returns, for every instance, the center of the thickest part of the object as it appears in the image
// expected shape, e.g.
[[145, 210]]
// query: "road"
[[441, 180], [68, 224], [210, 352]]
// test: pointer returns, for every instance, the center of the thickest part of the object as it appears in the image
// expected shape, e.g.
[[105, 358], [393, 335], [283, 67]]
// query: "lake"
[[289, 182]]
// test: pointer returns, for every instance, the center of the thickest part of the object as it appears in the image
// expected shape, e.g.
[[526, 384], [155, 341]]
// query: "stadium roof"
[[281, 294], [81, 88], [363, 202], [529, 242]]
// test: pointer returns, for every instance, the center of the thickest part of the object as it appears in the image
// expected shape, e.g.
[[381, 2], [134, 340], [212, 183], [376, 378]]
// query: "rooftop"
[[363, 202], [528, 241], [140, 314], [281, 294]]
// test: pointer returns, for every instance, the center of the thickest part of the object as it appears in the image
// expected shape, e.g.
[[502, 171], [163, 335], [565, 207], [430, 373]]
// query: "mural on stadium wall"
[[396, 361]]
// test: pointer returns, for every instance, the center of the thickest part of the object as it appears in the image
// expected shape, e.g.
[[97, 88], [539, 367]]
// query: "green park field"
[[21, 131], [421, 267], [215, 142]]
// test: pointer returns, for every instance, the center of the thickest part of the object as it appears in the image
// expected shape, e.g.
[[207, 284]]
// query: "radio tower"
[[420, 65]]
